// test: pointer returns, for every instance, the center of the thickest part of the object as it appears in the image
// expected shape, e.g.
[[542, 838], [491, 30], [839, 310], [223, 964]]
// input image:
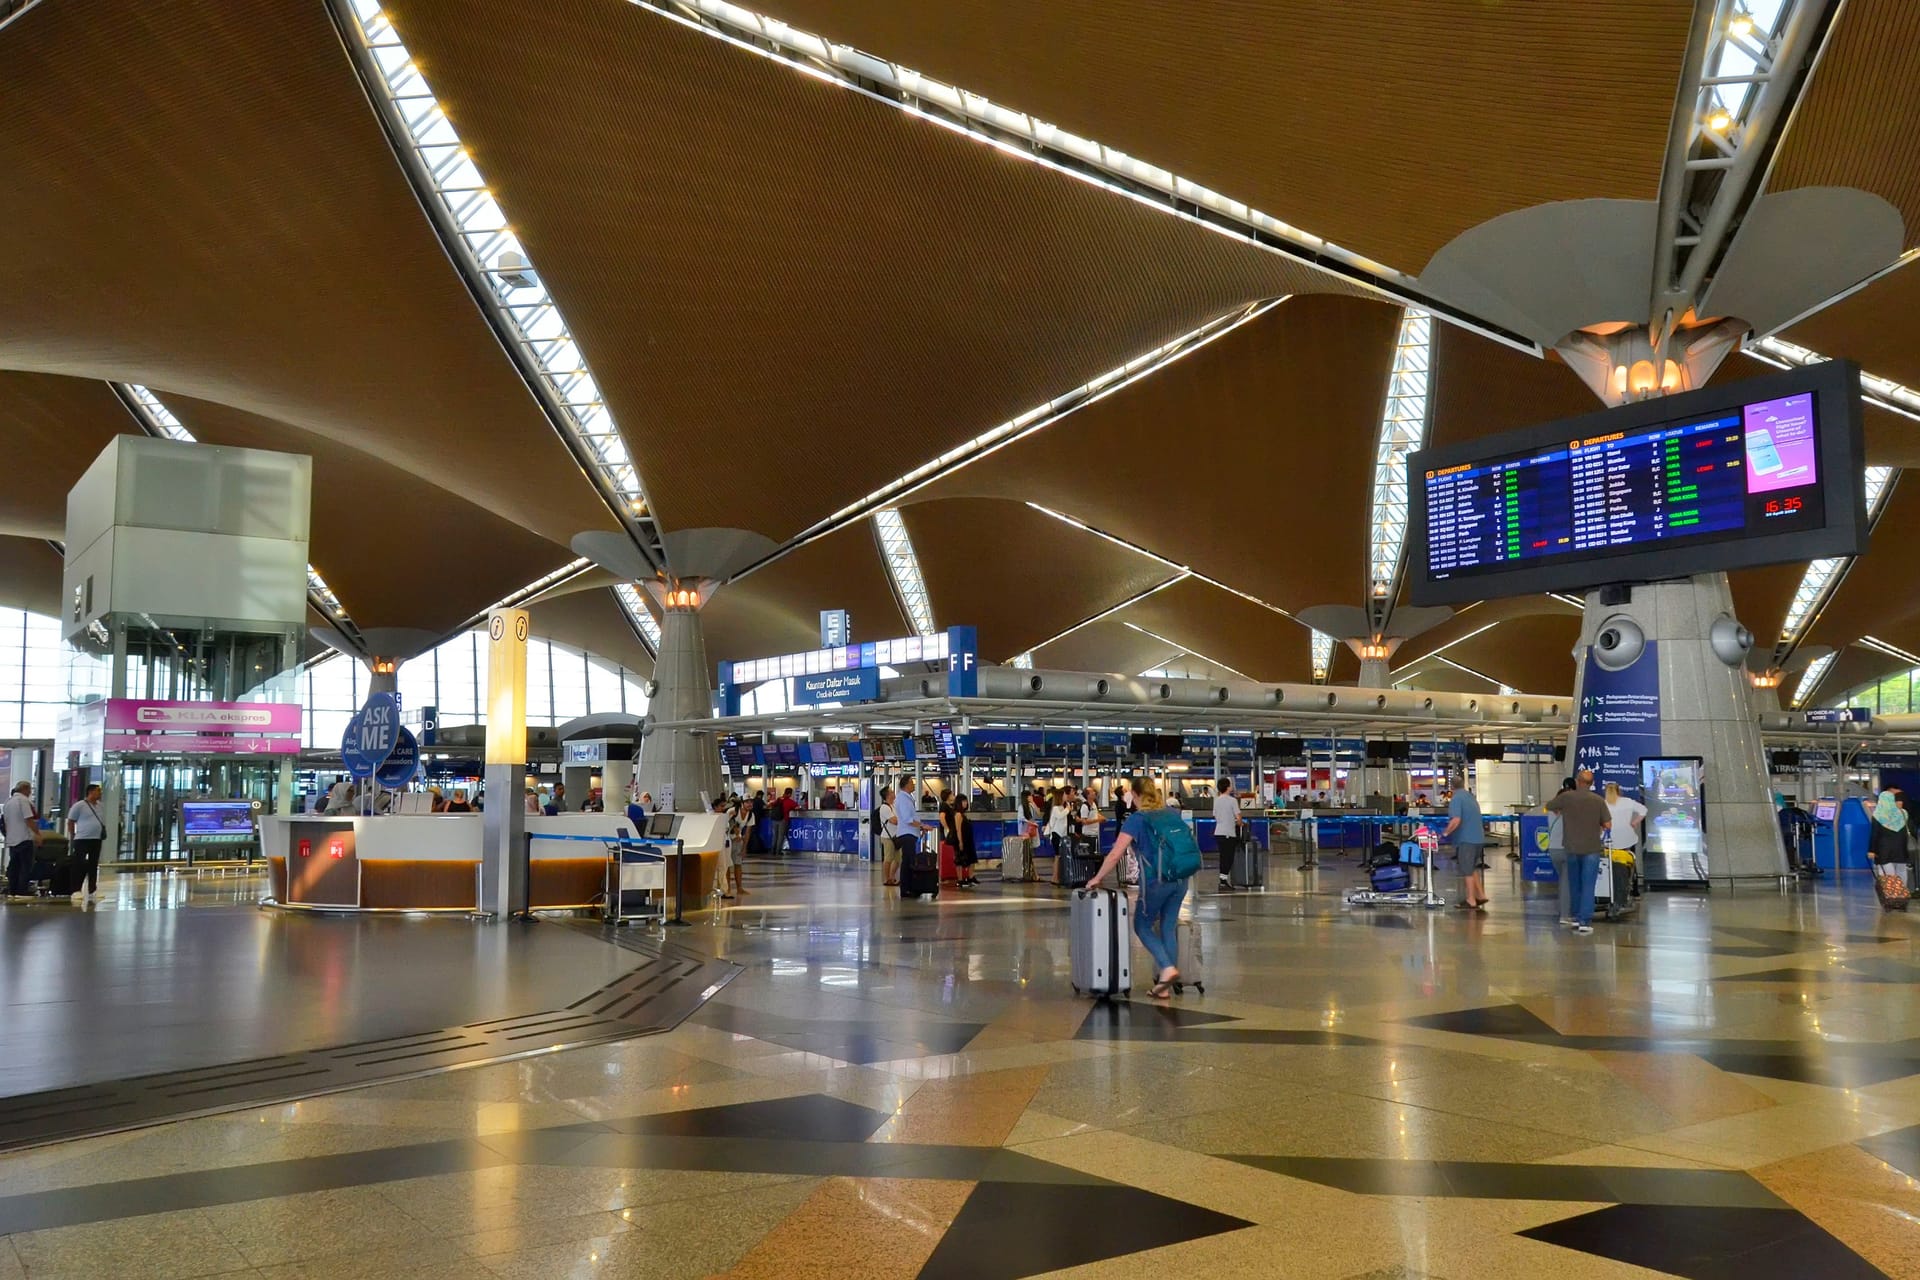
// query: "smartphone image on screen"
[[1761, 453]]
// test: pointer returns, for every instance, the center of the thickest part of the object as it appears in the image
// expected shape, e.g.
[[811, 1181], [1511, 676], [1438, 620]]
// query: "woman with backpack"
[[1162, 842]]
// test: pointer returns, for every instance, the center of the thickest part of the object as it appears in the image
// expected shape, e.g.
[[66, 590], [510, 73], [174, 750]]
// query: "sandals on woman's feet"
[[1161, 991]]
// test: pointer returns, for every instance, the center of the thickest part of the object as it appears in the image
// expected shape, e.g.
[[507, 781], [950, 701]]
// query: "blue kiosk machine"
[[1840, 833]]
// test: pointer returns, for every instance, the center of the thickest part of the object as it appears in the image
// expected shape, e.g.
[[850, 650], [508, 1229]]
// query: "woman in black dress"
[[958, 832]]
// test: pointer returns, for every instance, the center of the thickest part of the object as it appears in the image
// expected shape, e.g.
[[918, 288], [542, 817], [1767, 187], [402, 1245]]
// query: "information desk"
[[431, 862]]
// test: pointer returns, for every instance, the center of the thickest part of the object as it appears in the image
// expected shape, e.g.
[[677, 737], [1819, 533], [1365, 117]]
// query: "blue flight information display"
[[1746, 470]]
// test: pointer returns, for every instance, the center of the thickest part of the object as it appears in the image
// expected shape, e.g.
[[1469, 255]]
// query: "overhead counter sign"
[[859, 685], [1840, 715]]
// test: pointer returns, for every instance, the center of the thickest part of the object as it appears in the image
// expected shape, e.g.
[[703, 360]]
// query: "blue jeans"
[[1158, 923], [1584, 871]]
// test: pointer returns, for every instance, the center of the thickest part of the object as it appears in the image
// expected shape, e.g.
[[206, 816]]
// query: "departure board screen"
[[1768, 476]]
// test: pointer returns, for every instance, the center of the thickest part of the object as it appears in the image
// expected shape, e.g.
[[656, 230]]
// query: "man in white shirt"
[[1226, 828], [1628, 815], [85, 831], [22, 824]]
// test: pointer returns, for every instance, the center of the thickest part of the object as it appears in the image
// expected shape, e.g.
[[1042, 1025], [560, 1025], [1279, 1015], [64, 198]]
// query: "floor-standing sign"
[[503, 869], [370, 736]]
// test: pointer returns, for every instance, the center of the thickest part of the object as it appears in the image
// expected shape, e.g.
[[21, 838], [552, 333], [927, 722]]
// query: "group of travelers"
[[1585, 827], [906, 822]]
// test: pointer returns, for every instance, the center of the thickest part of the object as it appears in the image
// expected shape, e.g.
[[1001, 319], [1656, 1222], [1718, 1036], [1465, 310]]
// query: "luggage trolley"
[[636, 870], [1419, 851]]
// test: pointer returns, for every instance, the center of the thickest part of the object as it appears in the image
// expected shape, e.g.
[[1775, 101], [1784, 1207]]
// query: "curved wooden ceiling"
[[1877, 598], [1873, 327], [1203, 462], [51, 430], [1387, 127], [1019, 576], [1226, 629], [777, 609], [1108, 645], [396, 552], [790, 293], [29, 575], [594, 621], [198, 198], [1855, 123]]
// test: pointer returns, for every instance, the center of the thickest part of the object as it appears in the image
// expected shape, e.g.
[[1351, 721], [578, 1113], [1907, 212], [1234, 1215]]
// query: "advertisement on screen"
[[216, 821]]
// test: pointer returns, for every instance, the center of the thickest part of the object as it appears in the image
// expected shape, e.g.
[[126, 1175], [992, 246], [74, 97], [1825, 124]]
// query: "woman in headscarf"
[[1887, 846]]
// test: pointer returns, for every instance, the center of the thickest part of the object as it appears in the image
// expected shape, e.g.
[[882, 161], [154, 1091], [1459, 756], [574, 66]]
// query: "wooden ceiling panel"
[[1532, 653], [776, 610], [594, 621], [1387, 127], [1874, 327], [51, 430], [396, 552], [1017, 575], [1106, 646], [1853, 668], [1878, 596], [1251, 459], [1473, 620], [1854, 125], [764, 269], [1481, 387], [199, 198], [1226, 629], [29, 575]]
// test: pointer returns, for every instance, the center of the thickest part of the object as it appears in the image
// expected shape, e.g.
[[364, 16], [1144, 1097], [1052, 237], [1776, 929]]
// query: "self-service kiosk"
[[1841, 830]]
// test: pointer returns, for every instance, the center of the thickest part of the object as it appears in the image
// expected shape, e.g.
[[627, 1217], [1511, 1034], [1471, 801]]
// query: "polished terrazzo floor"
[[1725, 1086]]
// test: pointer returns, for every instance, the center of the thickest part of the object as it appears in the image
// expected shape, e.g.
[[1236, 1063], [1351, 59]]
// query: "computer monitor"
[[1823, 811], [659, 826]]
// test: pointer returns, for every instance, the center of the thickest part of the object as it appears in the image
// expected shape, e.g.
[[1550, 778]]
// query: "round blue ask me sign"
[[371, 735], [402, 762]]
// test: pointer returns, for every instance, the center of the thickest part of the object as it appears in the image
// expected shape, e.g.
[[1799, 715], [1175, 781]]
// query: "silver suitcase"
[[1099, 943], [1016, 858]]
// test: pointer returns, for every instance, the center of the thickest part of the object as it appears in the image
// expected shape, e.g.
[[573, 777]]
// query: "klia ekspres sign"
[[144, 715]]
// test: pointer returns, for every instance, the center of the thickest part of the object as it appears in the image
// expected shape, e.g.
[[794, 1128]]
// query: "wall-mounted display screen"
[[945, 745], [1764, 471], [216, 821]]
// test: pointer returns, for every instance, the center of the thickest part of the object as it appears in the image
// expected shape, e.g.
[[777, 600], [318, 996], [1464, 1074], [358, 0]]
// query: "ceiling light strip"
[[1131, 600], [903, 570], [1403, 430], [1890, 650], [1322, 657], [1034, 420], [1747, 63], [1823, 577], [495, 266], [1477, 675], [1810, 682], [1021, 135], [1186, 652], [161, 422], [639, 616]]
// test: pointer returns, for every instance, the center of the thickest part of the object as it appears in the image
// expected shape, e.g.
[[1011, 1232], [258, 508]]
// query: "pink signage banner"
[[204, 744], [143, 715]]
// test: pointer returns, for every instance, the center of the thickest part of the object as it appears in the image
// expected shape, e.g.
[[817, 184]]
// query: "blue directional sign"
[[371, 735], [859, 685], [1839, 715], [402, 762]]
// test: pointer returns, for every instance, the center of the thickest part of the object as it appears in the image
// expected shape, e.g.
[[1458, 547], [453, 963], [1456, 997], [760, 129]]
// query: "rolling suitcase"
[[1393, 878], [949, 869], [1191, 961], [919, 872], [1016, 858], [1099, 947], [1891, 890], [1249, 865], [1080, 868]]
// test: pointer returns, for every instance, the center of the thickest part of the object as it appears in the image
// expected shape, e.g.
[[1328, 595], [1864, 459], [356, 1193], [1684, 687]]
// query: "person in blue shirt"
[[1157, 921], [1469, 836]]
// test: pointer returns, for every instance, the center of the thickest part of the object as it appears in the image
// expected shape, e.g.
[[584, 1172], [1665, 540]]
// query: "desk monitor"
[[659, 826]]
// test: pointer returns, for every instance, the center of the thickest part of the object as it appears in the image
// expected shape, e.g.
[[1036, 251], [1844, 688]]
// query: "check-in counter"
[[431, 862]]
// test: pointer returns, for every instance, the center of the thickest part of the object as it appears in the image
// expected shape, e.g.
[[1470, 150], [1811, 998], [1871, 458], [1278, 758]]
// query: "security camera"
[[1619, 643], [1731, 641]]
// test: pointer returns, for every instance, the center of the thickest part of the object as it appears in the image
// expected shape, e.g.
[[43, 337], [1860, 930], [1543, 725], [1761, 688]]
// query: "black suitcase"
[[1080, 869], [918, 882], [1249, 865]]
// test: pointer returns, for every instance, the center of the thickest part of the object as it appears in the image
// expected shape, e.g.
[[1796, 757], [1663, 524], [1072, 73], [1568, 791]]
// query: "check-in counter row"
[[431, 862]]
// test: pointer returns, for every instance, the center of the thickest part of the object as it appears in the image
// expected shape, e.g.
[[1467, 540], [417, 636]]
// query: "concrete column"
[[678, 758], [1373, 673], [616, 780], [1706, 710]]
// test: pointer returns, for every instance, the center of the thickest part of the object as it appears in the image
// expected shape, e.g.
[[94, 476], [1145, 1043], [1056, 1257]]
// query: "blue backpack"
[[1176, 854]]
